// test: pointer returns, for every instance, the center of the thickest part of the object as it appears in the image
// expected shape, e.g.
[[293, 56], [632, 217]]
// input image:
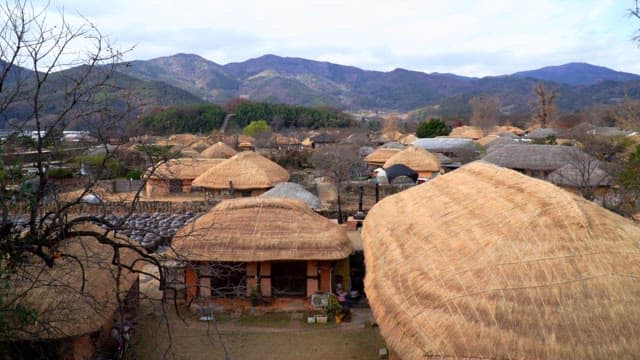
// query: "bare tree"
[[485, 112], [544, 108], [52, 75], [337, 163]]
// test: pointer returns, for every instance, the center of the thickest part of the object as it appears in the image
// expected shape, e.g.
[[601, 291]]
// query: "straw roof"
[[542, 133], [218, 150], [392, 145], [391, 135], [183, 139], [67, 301], [247, 170], [416, 158], [536, 157], [485, 262], [294, 191], [484, 141], [465, 131], [279, 139], [381, 155], [189, 152], [200, 145], [261, 229], [502, 141], [498, 130], [184, 168], [408, 139], [323, 138]]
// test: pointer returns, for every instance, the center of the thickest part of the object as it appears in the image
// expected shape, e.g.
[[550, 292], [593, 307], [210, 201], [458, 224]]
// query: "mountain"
[[317, 83], [577, 74]]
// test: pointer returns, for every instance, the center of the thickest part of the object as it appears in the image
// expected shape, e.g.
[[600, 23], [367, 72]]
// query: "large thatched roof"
[[218, 150], [184, 168], [536, 157], [260, 229], [294, 191], [381, 155], [67, 301], [416, 158], [465, 131], [247, 170], [485, 262]]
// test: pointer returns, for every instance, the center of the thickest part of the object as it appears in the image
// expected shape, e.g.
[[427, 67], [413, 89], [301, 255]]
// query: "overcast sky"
[[465, 37]]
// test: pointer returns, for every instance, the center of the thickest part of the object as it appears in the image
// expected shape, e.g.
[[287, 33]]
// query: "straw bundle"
[[63, 307], [379, 156], [247, 170], [465, 131], [416, 158], [218, 150], [184, 168], [484, 262], [260, 229]]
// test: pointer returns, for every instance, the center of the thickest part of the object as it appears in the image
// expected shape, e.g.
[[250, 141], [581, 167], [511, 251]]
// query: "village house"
[[245, 174], [291, 190], [75, 302], [278, 247], [455, 148], [467, 132], [176, 175], [218, 150], [426, 164], [537, 160], [485, 262], [379, 156]]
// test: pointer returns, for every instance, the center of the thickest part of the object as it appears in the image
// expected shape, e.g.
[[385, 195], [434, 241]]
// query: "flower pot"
[[321, 319], [311, 320]]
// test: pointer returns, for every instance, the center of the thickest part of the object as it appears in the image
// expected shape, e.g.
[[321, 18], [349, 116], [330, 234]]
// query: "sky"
[[464, 37]]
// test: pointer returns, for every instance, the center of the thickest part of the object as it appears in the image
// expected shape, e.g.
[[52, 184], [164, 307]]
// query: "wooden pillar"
[[312, 277], [265, 278], [204, 286], [252, 277], [190, 280], [325, 276]]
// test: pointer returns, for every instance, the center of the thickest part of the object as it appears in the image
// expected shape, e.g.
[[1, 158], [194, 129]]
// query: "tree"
[[544, 108], [432, 128], [485, 112], [69, 65], [338, 164], [256, 127], [629, 181]]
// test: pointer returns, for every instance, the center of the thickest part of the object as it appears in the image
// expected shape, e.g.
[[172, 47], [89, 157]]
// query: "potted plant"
[[333, 306]]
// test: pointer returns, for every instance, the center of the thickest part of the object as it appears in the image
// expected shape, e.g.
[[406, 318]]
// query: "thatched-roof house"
[[245, 174], [502, 141], [320, 140], [283, 142], [408, 139], [426, 164], [291, 190], [542, 134], [537, 160], [468, 132], [176, 175], [484, 141], [279, 246], [486, 263], [74, 302], [503, 129], [587, 178], [218, 150], [377, 158]]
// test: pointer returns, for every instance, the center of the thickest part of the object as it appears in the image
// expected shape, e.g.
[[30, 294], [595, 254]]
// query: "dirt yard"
[[162, 334], [273, 338]]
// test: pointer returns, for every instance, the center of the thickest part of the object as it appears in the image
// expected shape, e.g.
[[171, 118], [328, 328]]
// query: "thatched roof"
[[381, 155], [365, 150], [247, 170], [392, 145], [499, 130], [587, 174], [66, 303], [218, 150], [484, 262], [446, 144], [502, 141], [484, 141], [294, 191], [183, 139], [184, 168], [542, 133], [323, 138], [200, 145], [408, 139], [189, 152], [356, 139], [393, 135], [465, 131], [279, 139], [536, 157], [260, 229], [416, 158]]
